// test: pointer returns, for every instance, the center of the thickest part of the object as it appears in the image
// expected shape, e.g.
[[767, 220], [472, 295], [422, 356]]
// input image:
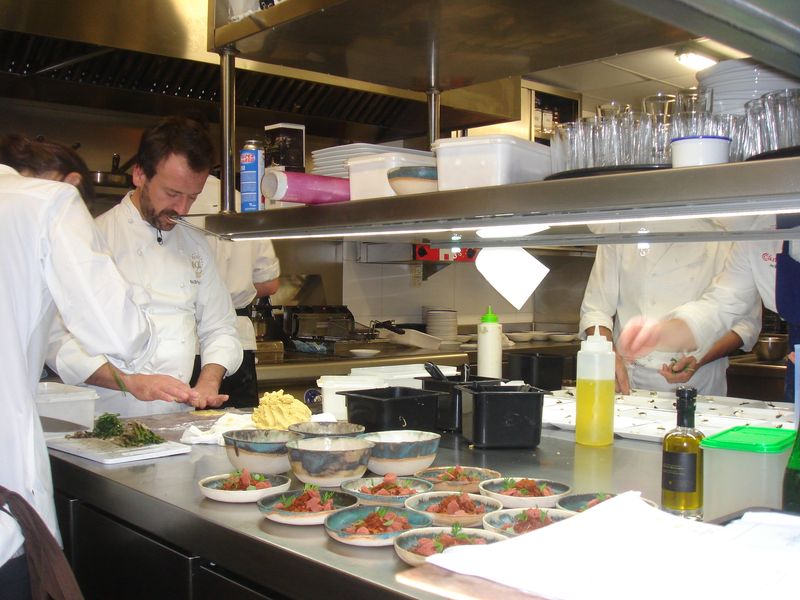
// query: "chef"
[[768, 270], [250, 270], [53, 257], [627, 281], [189, 302]]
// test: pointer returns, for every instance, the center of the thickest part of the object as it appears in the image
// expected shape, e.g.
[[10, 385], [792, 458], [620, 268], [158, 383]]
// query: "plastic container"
[[594, 394], [304, 188], [544, 371], [66, 402], [481, 161], [334, 386], [401, 375], [368, 174], [502, 416], [490, 346], [390, 408], [743, 468], [448, 414]]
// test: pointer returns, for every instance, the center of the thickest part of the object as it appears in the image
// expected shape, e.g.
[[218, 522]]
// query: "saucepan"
[[772, 347]]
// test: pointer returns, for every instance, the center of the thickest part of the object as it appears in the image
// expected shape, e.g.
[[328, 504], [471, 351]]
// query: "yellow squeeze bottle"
[[594, 420]]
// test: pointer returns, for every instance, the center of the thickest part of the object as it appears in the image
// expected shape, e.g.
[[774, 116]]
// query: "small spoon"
[[435, 371]]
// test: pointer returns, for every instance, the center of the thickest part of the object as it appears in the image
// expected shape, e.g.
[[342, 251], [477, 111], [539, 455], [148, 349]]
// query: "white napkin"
[[213, 435]]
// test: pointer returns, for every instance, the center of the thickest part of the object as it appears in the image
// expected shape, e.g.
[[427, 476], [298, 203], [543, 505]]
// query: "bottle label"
[[679, 472]]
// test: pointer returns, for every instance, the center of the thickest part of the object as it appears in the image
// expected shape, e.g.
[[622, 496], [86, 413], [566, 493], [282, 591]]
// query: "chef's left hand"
[[680, 371]]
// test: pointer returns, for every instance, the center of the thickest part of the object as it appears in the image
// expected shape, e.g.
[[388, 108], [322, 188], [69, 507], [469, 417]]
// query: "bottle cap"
[[489, 316], [597, 343]]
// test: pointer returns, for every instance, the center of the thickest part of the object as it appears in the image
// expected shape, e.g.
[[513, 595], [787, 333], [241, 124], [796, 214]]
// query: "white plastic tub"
[[485, 160], [333, 386], [368, 174], [66, 402], [401, 375]]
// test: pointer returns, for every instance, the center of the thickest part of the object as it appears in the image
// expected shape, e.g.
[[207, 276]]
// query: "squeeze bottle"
[[490, 346], [594, 422]]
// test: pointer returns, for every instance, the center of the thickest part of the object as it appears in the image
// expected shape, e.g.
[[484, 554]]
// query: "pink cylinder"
[[289, 186]]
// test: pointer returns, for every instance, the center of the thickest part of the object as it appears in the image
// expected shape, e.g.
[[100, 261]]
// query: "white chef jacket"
[[240, 264], [749, 276], [625, 283], [189, 303], [53, 256]]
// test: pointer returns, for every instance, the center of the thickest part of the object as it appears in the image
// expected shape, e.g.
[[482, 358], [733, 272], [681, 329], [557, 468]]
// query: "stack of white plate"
[[333, 161], [736, 82], [442, 324]]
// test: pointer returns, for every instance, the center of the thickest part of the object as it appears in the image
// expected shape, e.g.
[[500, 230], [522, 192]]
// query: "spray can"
[[251, 171], [594, 421], [490, 346]]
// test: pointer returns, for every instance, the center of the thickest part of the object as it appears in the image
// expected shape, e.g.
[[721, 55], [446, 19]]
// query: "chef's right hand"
[[621, 375], [160, 387]]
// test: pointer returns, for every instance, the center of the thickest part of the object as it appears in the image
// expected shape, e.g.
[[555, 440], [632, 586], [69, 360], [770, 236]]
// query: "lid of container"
[[485, 140], [52, 391], [765, 440], [415, 158], [489, 316]]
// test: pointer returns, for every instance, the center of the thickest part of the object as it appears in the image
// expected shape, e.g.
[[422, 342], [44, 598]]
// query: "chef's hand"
[[621, 375], [680, 371], [639, 337], [207, 387], [159, 387]]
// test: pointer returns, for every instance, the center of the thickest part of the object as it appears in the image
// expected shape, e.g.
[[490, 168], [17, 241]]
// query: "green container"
[[743, 468]]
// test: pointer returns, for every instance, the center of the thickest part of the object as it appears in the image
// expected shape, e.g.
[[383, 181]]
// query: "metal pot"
[[772, 347], [117, 177]]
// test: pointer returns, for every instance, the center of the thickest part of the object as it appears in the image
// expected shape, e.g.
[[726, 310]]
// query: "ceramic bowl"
[[503, 521], [336, 524], [561, 337], [422, 502], [438, 476], [402, 452], [493, 488], [364, 352], [406, 542], [354, 486], [259, 450], [540, 336], [211, 487], [413, 180], [329, 461], [329, 429], [520, 336], [270, 509], [576, 503]]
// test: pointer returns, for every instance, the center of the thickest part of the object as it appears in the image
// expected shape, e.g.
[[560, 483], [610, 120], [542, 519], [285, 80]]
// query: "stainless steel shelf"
[[737, 187]]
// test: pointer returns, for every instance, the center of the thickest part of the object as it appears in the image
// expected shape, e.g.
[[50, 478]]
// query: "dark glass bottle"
[[791, 481], [682, 461]]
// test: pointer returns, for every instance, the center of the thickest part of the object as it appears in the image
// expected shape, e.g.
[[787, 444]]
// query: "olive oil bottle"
[[682, 461]]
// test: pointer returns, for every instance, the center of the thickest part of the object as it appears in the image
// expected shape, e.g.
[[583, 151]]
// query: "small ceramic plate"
[[503, 521], [562, 337], [336, 524], [540, 336], [354, 487], [341, 500], [476, 474], [364, 352], [493, 488], [407, 542], [212, 488], [520, 336], [580, 502], [421, 503]]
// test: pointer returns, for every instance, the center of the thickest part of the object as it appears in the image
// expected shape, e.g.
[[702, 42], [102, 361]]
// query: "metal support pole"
[[227, 121], [434, 108]]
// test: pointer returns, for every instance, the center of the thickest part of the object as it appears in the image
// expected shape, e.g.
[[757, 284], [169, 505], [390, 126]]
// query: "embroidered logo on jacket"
[[197, 265]]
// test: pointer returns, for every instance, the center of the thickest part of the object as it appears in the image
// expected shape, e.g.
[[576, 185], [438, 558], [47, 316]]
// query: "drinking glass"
[[781, 119], [659, 106], [612, 109], [697, 99], [755, 140]]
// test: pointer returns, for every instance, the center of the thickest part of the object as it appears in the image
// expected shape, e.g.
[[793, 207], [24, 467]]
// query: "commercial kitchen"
[[366, 274]]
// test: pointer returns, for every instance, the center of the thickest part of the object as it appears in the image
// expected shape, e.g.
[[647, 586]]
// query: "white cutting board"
[[108, 453]]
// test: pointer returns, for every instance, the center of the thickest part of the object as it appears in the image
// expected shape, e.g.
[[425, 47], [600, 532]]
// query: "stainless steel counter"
[[161, 498]]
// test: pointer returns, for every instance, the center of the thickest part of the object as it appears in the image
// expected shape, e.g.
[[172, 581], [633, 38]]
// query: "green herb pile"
[[109, 427]]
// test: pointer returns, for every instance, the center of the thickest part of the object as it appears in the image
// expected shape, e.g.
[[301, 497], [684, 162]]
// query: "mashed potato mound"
[[277, 410]]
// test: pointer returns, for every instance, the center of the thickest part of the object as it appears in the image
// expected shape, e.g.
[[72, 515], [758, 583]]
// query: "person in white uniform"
[[250, 270], [189, 302], [627, 281], [53, 258]]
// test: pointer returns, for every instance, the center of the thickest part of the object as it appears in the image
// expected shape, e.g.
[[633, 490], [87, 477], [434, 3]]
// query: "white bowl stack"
[[736, 82], [333, 161], [442, 323]]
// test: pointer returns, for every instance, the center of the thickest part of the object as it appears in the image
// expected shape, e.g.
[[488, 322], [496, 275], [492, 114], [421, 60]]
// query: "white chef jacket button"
[[182, 284], [130, 220], [139, 252], [180, 375]]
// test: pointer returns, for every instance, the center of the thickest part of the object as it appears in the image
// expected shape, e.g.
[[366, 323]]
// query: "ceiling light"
[[694, 60]]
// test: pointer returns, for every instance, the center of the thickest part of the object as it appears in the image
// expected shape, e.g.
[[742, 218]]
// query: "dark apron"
[[787, 299]]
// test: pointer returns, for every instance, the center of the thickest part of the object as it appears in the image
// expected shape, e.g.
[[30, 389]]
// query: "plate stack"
[[736, 82], [442, 324], [333, 161]]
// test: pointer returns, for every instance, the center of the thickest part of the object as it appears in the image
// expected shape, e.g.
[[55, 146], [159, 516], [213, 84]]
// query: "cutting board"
[[108, 453]]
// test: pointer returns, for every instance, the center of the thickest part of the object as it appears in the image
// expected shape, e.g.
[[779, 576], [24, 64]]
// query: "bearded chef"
[[189, 302]]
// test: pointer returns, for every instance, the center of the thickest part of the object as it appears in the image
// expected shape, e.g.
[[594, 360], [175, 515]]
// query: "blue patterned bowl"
[[402, 452], [259, 450], [336, 523], [329, 461]]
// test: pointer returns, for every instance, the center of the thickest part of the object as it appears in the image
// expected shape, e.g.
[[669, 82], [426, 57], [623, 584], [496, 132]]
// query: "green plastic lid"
[[765, 440], [489, 316]]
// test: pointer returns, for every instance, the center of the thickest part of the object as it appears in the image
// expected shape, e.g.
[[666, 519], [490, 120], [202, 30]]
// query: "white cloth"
[[53, 257], [240, 264], [749, 275], [625, 283], [189, 303]]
